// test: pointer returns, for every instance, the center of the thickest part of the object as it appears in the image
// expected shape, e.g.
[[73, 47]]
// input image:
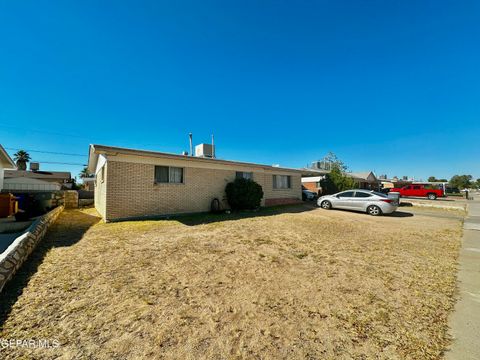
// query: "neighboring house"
[[26, 183], [36, 180], [312, 183], [136, 183], [365, 180], [6, 162], [89, 183]]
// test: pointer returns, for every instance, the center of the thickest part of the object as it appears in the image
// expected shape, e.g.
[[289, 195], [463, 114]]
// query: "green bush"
[[243, 194], [336, 181]]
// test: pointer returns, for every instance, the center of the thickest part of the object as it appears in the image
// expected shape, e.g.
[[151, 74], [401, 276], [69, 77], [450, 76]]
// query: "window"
[[346, 194], [244, 175], [166, 174], [361, 194], [417, 187], [282, 182]]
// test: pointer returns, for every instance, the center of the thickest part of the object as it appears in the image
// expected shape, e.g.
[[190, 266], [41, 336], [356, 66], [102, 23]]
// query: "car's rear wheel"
[[432, 196], [325, 204], [374, 210]]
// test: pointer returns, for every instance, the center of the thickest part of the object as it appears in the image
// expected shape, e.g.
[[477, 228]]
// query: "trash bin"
[[395, 196], [21, 201], [8, 205]]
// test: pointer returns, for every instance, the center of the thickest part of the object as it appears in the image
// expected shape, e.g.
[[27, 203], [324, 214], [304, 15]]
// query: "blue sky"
[[390, 86]]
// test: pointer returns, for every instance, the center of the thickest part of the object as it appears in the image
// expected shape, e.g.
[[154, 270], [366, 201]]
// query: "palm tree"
[[85, 173], [21, 157]]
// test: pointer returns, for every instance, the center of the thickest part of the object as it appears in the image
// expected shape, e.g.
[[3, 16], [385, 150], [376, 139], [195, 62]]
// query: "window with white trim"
[[168, 174], [244, 175], [282, 182]]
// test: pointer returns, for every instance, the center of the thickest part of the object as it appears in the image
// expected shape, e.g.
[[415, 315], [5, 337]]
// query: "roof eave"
[[8, 160], [111, 150], [92, 159]]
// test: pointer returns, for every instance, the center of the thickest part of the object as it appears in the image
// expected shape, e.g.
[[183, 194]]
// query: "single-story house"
[[6, 162], [138, 183], [365, 180], [36, 180]]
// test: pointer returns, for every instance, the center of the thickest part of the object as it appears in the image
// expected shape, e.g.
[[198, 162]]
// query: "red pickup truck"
[[420, 190]]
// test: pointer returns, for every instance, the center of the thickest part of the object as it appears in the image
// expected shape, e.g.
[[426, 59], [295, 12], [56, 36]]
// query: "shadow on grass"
[[208, 218], [400, 214], [66, 231]]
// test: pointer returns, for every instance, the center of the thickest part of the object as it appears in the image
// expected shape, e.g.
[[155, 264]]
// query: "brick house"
[[137, 183], [312, 183], [363, 180]]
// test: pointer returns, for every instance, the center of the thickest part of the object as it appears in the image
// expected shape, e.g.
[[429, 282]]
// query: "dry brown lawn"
[[292, 283]]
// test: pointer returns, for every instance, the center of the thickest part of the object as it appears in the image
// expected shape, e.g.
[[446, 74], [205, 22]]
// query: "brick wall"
[[312, 186], [294, 192], [131, 192]]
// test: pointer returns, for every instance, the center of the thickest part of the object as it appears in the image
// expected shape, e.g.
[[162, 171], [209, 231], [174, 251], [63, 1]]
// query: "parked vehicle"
[[369, 201], [308, 195], [452, 190], [420, 190]]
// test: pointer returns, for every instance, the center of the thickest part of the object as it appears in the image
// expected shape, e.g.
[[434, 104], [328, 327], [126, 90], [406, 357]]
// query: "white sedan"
[[371, 202]]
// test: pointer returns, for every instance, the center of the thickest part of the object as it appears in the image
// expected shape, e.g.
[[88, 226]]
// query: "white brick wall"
[[129, 190]]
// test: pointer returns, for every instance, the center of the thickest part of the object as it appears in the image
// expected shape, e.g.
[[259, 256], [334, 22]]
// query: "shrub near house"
[[244, 194]]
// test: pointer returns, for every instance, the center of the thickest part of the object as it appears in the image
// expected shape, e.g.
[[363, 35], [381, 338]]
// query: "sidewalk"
[[465, 321]]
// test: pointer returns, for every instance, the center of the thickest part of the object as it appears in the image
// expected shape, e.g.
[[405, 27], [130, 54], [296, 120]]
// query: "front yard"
[[296, 283]]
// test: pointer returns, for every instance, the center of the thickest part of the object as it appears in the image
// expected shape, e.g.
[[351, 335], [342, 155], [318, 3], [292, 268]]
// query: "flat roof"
[[37, 174], [96, 149], [312, 179]]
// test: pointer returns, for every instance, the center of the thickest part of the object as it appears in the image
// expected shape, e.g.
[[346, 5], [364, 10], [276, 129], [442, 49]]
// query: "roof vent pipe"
[[191, 144], [213, 148]]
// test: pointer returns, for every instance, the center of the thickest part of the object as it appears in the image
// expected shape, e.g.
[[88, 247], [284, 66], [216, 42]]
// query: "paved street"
[[465, 321]]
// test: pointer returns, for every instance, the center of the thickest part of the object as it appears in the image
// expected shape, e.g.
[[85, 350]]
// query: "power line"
[[42, 131], [46, 152], [56, 162]]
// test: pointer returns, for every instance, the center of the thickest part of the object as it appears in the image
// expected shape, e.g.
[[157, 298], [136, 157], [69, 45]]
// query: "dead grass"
[[313, 284]]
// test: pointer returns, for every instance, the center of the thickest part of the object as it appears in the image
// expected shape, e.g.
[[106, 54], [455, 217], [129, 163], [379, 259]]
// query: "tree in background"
[[334, 161], [434, 179], [461, 181], [21, 158], [336, 180], [85, 173]]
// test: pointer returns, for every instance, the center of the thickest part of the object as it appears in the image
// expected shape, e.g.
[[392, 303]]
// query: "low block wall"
[[18, 251], [85, 202], [71, 199]]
